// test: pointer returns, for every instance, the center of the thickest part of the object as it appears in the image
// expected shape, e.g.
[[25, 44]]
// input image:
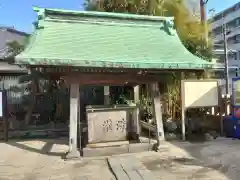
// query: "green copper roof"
[[99, 39]]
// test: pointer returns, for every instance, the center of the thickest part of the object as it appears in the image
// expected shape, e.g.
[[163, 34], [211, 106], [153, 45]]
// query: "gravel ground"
[[36, 160]]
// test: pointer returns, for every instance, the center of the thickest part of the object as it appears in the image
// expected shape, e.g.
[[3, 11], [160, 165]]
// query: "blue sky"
[[19, 13]]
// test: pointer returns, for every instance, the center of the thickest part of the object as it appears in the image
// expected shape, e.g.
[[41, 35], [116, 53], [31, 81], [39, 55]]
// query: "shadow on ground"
[[201, 166], [197, 159], [45, 149], [172, 163]]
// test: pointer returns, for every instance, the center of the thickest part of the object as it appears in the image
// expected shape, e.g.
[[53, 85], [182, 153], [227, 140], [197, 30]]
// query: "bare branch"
[[205, 2]]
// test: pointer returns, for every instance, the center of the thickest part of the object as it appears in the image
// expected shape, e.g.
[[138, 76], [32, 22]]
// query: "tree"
[[31, 79], [14, 48], [39, 84], [189, 28]]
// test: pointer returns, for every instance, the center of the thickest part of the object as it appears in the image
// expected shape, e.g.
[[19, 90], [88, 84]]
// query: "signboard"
[[199, 93], [236, 92], [196, 94], [3, 104]]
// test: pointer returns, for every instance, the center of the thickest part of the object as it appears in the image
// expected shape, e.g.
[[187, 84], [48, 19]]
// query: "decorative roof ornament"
[[40, 12], [40, 16], [169, 27]]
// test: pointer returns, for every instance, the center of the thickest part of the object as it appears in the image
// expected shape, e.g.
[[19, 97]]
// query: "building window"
[[218, 74], [237, 38], [232, 55], [217, 31], [237, 22], [231, 40], [232, 24]]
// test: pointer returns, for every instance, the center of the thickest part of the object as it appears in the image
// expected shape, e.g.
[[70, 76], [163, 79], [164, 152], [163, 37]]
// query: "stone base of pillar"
[[159, 146], [156, 147], [73, 154]]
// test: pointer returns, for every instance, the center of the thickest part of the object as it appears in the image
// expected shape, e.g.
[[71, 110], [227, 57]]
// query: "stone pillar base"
[[160, 146], [73, 154]]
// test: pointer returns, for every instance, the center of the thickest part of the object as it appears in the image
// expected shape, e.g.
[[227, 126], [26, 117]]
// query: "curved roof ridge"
[[110, 23], [50, 11]]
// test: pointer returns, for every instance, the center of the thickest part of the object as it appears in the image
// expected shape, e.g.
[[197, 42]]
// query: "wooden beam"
[[109, 78], [71, 69], [183, 111]]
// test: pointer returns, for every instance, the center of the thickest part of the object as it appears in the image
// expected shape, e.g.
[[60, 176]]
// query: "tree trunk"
[[151, 7], [34, 91], [28, 115]]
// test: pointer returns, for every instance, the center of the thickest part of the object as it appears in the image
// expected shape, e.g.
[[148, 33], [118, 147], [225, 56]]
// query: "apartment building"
[[231, 17]]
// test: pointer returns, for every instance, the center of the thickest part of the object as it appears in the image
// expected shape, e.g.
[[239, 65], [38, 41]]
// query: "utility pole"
[[204, 18], [226, 72]]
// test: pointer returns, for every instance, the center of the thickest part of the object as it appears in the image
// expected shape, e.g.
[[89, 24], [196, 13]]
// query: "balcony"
[[227, 18], [233, 32], [219, 59], [235, 46]]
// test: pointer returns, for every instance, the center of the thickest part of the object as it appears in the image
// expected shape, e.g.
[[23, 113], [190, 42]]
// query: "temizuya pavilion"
[[93, 48]]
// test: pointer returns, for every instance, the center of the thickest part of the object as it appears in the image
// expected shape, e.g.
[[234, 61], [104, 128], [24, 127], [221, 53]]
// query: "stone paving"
[[180, 165], [38, 160]]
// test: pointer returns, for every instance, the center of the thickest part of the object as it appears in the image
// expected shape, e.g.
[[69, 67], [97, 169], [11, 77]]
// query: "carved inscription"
[[121, 125], [107, 125]]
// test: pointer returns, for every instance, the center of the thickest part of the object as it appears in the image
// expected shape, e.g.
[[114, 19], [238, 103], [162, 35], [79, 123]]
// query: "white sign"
[[199, 93], [1, 104]]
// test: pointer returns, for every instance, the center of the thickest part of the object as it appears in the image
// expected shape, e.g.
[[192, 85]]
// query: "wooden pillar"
[[106, 95], [157, 113], [183, 124], [136, 118], [73, 125]]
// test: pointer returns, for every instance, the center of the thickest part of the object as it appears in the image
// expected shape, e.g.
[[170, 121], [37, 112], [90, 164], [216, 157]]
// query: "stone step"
[[115, 150]]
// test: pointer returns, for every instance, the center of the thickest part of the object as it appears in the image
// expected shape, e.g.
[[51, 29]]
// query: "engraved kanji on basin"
[[109, 124]]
